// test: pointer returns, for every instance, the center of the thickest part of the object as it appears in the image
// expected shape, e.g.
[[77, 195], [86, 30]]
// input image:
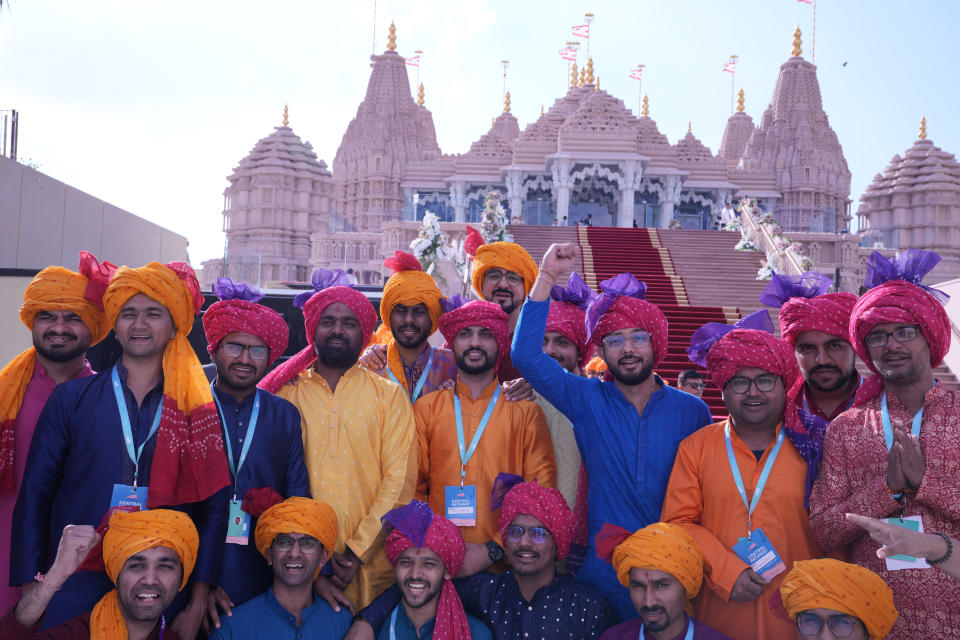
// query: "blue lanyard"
[[764, 474], [127, 429], [393, 623], [689, 635], [888, 428], [466, 454], [423, 378], [251, 429]]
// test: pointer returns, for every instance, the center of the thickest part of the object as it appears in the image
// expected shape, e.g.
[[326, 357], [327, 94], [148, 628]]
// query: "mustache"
[[502, 290], [825, 367], [652, 610]]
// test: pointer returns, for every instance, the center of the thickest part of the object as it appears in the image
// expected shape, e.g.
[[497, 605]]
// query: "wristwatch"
[[495, 552]]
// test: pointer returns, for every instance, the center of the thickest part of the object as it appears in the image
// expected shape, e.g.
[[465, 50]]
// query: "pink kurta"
[[853, 478], [34, 398]]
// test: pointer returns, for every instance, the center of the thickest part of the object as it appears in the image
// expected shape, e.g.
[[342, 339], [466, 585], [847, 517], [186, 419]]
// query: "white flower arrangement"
[[745, 245], [493, 219], [781, 243]]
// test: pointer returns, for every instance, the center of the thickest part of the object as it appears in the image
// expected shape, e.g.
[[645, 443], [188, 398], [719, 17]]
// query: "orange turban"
[[597, 364], [661, 547], [504, 255], [297, 515], [53, 289], [189, 463], [849, 588], [409, 285], [129, 534]]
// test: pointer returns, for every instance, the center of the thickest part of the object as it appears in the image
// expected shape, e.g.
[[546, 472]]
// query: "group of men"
[[564, 505]]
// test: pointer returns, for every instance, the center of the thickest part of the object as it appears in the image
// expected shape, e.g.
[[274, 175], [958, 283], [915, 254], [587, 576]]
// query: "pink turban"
[[478, 313], [805, 306], [416, 525], [329, 287], [568, 314], [622, 305], [546, 505], [238, 311]]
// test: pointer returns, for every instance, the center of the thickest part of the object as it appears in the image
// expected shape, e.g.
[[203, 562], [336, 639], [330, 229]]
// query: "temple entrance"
[[594, 200], [646, 209]]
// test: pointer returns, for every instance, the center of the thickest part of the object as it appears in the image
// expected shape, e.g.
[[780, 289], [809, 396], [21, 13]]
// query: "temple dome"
[[281, 152], [600, 123], [689, 150]]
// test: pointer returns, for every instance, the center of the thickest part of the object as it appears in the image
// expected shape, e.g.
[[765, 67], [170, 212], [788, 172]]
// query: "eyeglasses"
[[308, 544], [538, 535], [763, 384], [234, 350], [496, 275], [695, 385], [840, 625], [616, 343], [903, 334]]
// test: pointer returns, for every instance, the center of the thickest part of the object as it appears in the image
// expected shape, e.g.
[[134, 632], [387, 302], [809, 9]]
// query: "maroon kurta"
[[72, 629]]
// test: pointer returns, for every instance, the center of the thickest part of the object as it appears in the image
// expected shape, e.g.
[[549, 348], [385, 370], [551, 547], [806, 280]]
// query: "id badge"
[[461, 505], [901, 561], [760, 555], [124, 495], [238, 528]]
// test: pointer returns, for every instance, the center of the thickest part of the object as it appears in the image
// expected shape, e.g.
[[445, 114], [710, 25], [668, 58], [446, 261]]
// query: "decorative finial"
[[689, 126], [506, 102], [420, 95], [573, 75], [740, 101], [583, 75], [392, 38], [589, 78], [796, 43], [541, 109], [645, 111], [923, 127], [286, 119], [596, 85], [493, 122]]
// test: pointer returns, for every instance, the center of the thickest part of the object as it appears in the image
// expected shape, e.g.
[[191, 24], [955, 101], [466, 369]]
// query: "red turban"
[[238, 311], [189, 464], [416, 525], [621, 305], [568, 314], [478, 313], [897, 301], [329, 287], [409, 285], [829, 313], [546, 505]]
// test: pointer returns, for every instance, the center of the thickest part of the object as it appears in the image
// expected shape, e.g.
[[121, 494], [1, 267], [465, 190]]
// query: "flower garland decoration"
[[493, 219]]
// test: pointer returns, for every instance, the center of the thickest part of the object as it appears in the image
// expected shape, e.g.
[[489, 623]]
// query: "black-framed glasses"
[[879, 338], [700, 386], [538, 535], [764, 383], [637, 340], [308, 544], [840, 625], [496, 275], [234, 350]]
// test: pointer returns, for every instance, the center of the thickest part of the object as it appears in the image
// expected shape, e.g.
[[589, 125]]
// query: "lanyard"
[[423, 378], [888, 428], [764, 474], [806, 405], [393, 623], [251, 429], [127, 429], [688, 636], [466, 454]]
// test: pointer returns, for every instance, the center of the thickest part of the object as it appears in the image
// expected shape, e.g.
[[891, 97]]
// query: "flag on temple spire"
[[731, 66], [581, 31], [806, 1], [569, 53], [413, 61], [637, 74]]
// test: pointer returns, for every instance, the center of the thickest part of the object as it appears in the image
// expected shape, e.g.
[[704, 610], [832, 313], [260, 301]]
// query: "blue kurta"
[[76, 457], [404, 629], [275, 460], [264, 617], [628, 456]]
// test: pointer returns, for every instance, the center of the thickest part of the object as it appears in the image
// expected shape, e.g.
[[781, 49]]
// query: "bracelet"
[[42, 580], [949, 552], [543, 271]]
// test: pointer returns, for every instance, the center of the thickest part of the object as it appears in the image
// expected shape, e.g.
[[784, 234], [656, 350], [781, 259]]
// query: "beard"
[[61, 355], [840, 382], [631, 379], [410, 342], [432, 594], [508, 305], [474, 369], [337, 357], [657, 627]]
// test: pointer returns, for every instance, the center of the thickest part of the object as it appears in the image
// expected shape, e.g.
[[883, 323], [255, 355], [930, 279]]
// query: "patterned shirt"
[[443, 368], [853, 479]]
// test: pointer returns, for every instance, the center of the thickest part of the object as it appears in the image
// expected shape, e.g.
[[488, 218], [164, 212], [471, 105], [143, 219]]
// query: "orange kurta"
[[516, 440], [703, 499]]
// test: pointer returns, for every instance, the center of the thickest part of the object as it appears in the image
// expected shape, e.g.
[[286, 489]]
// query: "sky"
[[150, 105]]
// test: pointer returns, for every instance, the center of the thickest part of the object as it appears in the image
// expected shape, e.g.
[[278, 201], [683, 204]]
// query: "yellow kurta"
[[360, 449]]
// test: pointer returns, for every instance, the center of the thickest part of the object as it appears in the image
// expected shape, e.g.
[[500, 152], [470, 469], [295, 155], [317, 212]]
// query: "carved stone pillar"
[[562, 183], [630, 171], [458, 198], [671, 197], [515, 196]]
